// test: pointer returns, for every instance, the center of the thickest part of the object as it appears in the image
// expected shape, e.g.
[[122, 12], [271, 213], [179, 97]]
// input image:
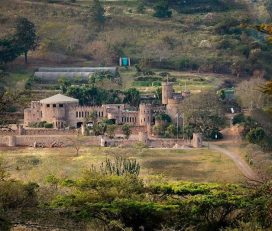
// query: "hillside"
[[201, 36]]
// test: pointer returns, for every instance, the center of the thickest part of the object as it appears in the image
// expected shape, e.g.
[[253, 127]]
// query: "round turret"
[[55, 109]]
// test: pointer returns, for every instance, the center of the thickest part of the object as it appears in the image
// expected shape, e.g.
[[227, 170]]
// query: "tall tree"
[[132, 97], [25, 36], [96, 14]]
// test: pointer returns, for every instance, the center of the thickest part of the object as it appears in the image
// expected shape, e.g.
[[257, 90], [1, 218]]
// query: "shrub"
[[126, 130], [239, 118], [255, 135], [162, 9], [48, 125], [163, 117], [266, 144]]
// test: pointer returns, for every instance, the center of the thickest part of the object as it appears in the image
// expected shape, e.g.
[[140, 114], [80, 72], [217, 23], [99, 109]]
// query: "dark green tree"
[[255, 135], [162, 9], [132, 97], [25, 36], [9, 50], [96, 14]]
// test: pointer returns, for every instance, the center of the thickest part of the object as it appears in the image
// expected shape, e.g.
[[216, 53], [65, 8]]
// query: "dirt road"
[[232, 139], [238, 160]]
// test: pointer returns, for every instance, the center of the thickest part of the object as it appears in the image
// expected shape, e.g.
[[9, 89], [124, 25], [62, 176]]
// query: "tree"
[[249, 93], [64, 83], [255, 135], [204, 112], [99, 129], [126, 130], [25, 36], [96, 13], [111, 130], [76, 143], [162, 9], [171, 130], [9, 50], [132, 97]]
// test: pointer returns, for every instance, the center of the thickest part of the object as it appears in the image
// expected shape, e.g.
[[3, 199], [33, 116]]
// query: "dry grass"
[[199, 165]]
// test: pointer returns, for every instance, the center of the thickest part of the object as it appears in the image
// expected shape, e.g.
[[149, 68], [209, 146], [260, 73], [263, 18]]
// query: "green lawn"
[[199, 165], [194, 82]]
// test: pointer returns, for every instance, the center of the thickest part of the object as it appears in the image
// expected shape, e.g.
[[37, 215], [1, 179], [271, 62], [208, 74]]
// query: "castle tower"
[[167, 92], [172, 109], [145, 114]]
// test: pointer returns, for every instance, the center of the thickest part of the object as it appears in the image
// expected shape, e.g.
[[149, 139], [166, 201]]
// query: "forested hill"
[[202, 35]]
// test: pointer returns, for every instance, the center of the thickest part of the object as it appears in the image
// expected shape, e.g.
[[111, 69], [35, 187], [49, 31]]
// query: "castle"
[[63, 111]]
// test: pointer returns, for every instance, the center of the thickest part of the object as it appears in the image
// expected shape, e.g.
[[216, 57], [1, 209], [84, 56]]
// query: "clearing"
[[198, 165]]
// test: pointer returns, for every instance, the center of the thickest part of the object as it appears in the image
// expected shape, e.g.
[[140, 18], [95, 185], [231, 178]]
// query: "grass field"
[[195, 82], [198, 165]]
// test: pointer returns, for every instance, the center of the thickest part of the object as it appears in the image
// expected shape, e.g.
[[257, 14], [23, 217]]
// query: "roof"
[[59, 98]]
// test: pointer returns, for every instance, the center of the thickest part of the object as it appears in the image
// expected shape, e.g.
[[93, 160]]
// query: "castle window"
[[47, 105], [77, 114], [54, 105], [60, 105], [102, 114]]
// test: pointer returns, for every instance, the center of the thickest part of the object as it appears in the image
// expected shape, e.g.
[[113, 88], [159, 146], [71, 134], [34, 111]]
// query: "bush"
[[163, 117], [239, 118], [162, 9], [255, 135], [48, 125], [266, 144]]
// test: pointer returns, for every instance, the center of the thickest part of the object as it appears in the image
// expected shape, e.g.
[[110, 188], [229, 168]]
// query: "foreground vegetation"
[[121, 200]]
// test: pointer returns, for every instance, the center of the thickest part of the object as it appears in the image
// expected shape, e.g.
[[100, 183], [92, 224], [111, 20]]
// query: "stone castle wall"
[[46, 140]]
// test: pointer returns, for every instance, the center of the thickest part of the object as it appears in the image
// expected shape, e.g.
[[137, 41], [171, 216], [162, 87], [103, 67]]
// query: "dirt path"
[[238, 160], [232, 139]]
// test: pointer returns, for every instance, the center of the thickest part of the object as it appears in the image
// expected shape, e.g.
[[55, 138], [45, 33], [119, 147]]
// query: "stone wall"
[[135, 130], [4, 140], [47, 141], [168, 143], [50, 132]]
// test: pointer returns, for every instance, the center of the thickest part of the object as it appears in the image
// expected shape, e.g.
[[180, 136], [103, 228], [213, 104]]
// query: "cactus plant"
[[120, 166]]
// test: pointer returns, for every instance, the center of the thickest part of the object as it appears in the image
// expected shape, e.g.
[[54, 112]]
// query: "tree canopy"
[[24, 40], [25, 36]]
